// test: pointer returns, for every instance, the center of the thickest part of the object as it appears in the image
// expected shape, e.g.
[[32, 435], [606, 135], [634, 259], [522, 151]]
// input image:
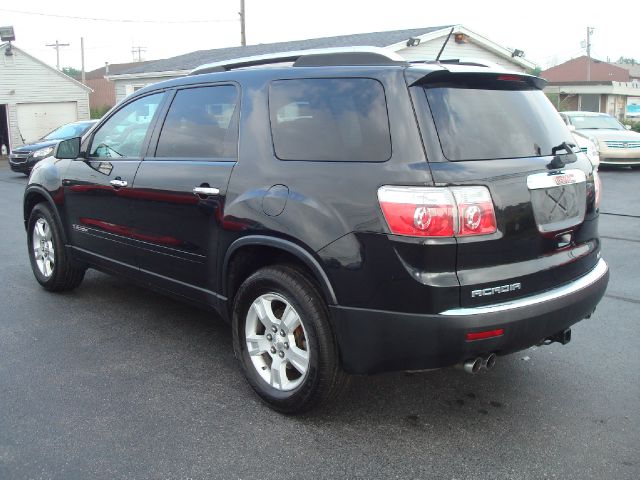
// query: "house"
[[35, 98], [103, 96], [633, 68], [414, 44], [594, 86]]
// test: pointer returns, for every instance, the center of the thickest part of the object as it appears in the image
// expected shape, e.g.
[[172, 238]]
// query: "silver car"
[[616, 144]]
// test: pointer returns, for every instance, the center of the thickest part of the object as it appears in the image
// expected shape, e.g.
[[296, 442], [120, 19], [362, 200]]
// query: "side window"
[[330, 119], [122, 136], [201, 123]]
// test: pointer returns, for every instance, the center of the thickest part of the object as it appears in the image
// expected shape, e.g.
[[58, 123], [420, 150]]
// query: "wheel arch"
[[34, 195], [289, 249]]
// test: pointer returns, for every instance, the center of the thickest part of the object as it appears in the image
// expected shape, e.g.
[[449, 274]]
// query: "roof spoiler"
[[474, 77]]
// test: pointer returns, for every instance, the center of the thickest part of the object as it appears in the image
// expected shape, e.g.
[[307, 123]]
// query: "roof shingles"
[[192, 60]]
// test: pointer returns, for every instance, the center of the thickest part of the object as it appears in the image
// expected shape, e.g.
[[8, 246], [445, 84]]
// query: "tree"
[[72, 72], [628, 60], [536, 71]]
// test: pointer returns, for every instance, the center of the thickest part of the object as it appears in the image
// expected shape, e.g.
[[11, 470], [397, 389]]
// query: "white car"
[[616, 144], [588, 147]]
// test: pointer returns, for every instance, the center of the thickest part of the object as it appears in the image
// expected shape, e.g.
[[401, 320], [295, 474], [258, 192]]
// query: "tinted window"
[[475, 124], [124, 133], [335, 119], [201, 123]]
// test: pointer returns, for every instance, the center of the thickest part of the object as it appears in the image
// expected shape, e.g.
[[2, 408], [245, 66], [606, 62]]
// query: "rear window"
[[494, 123], [330, 119]]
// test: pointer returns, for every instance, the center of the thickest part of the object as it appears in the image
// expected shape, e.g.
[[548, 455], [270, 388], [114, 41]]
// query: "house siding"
[[126, 87], [462, 51], [26, 80]]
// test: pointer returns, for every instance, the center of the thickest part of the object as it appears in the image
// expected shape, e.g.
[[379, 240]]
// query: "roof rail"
[[319, 57]]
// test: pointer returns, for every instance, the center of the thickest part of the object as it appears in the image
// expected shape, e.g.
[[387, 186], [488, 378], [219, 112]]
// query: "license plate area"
[[558, 199]]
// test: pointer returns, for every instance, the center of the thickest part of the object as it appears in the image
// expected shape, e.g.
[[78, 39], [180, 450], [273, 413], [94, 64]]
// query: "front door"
[[179, 190], [97, 187]]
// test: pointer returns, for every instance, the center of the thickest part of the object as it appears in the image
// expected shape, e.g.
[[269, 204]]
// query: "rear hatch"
[[499, 131]]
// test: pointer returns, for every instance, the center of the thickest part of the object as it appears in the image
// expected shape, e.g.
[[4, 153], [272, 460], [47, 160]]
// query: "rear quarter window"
[[330, 119]]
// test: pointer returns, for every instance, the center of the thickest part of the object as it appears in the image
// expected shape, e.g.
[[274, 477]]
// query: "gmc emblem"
[[564, 179], [496, 290]]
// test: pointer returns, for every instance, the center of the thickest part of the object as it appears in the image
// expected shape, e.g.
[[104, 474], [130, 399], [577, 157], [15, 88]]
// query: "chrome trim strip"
[[590, 278], [555, 179]]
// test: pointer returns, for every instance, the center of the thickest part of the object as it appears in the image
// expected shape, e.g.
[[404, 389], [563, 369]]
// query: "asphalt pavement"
[[112, 381]]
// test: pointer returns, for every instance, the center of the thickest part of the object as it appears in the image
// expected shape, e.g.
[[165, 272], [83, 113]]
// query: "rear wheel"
[[49, 261], [283, 339]]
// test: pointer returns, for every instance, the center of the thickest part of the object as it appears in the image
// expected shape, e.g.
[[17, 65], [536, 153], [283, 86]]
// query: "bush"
[[635, 125], [98, 112]]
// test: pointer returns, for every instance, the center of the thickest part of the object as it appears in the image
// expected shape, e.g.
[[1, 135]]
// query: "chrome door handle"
[[206, 191], [118, 183]]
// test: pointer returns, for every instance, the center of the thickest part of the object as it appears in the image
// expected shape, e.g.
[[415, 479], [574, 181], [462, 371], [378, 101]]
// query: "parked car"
[[616, 144], [588, 147], [348, 214], [22, 159]]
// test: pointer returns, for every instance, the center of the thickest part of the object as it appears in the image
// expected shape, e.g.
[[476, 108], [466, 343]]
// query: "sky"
[[549, 32]]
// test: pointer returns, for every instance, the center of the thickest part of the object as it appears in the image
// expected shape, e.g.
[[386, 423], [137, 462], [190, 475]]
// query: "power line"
[[114, 20]]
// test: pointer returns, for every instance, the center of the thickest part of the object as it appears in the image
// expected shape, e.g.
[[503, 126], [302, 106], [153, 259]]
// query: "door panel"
[[98, 187], [196, 148]]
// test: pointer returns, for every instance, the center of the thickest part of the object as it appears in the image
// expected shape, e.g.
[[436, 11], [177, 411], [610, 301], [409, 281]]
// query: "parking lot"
[[113, 381]]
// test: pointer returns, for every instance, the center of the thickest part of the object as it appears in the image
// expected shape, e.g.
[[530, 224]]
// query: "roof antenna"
[[444, 44]]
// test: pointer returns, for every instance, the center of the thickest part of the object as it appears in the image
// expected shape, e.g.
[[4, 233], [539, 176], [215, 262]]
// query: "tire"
[[49, 260], [277, 300]]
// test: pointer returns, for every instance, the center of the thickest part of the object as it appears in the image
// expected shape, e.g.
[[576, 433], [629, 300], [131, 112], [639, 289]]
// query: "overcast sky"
[[549, 32]]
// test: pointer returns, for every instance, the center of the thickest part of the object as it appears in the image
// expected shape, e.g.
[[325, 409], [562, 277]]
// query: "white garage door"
[[37, 119]]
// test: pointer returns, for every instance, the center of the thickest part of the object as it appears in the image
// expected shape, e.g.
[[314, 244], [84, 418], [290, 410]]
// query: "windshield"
[[594, 122], [482, 124], [68, 131]]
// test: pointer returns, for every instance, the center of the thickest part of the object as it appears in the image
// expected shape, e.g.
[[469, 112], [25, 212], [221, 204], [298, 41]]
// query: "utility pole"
[[243, 37], [84, 77], [589, 32], [57, 46], [139, 51]]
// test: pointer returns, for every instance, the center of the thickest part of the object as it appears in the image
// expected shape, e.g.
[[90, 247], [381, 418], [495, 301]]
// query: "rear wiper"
[[559, 162]]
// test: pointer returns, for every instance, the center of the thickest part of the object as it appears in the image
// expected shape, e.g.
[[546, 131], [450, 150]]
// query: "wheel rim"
[[43, 250], [277, 342]]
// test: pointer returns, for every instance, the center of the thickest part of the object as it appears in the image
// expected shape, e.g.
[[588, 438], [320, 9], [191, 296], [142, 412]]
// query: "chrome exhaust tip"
[[490, 361], [473, 365]]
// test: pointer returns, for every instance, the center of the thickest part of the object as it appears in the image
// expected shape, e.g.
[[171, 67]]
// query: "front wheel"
[[49, 261], [283, 339]]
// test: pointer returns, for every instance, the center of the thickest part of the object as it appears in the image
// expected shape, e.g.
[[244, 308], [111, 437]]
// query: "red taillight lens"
[[438, 211], [418, 211], [475, 211]]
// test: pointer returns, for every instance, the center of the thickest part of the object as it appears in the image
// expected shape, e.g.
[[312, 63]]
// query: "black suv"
[[346, 212]]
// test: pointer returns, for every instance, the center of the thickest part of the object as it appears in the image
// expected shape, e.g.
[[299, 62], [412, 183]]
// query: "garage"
[[35, 98], [37, 119]]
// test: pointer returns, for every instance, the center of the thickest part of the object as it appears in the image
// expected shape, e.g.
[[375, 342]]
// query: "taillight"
[[597, 184], [438, 211]]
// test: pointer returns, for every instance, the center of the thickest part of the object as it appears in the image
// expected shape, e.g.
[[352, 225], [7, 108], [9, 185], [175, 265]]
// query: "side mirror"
[[628, 127], [572, 128], [68, 149]]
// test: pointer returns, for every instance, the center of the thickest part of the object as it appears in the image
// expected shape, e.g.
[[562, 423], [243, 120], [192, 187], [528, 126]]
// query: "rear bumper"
[[620, 156], [373, 341]]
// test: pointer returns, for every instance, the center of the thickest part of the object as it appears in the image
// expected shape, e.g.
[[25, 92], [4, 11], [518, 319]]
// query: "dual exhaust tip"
[[474, 365]]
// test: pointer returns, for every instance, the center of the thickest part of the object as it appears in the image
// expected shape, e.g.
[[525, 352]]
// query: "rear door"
[[500, 131], [179, 190]]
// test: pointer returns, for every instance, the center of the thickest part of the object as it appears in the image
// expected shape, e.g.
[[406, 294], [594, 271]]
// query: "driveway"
[[112, 381]]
